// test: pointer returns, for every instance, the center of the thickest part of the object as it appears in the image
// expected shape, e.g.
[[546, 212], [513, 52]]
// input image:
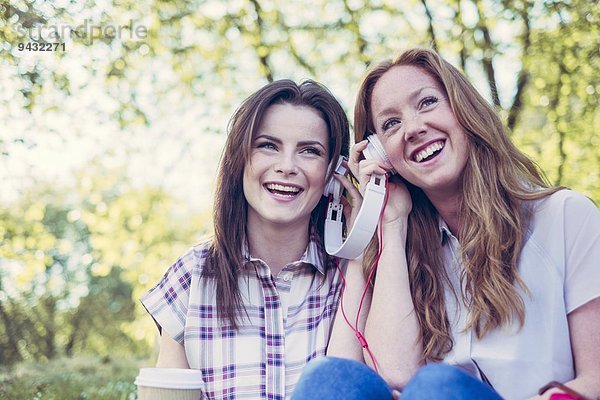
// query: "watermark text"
[[88, 32]]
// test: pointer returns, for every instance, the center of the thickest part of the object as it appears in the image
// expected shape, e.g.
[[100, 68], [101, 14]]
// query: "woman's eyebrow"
[[310, 143], [268, 137], [417, 93], [411, 97]]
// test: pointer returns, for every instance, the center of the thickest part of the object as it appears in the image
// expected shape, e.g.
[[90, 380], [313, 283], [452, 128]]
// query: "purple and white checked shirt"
[[289, 322]]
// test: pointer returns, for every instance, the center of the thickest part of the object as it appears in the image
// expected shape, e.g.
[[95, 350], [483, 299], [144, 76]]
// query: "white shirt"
[[560, 265]]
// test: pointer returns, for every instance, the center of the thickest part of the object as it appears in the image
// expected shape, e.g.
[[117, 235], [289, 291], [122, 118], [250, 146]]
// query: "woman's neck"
[[448, 207], [275, 245]]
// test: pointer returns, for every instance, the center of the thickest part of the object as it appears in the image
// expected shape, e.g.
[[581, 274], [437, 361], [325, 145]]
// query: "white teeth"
[[429, 150], [281, 188]]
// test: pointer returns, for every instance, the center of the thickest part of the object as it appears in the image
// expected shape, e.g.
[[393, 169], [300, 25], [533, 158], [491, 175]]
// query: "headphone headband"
[[368, 215]]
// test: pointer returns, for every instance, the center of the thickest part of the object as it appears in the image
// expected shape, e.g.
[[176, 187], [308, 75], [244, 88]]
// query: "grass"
[[76, 378]]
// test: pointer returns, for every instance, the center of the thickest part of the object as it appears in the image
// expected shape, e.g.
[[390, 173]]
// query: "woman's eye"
[[266, 145], [389, 124], [428, 101], [312, 150]]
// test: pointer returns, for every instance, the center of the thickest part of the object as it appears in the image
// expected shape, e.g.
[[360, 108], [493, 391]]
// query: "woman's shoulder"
[[194, 258], [563, 216], [202, 248], [565, 201]]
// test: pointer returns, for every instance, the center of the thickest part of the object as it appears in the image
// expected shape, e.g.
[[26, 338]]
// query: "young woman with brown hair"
[[253, 305]]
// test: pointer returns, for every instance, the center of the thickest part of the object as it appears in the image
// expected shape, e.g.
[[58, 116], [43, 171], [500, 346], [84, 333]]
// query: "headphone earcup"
[[333, 186], [329, 187], [375, 150]]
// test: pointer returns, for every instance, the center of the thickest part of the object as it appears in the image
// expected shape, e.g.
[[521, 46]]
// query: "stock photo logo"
[[54, 37]]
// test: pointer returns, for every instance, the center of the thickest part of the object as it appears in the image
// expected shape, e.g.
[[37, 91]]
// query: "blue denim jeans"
[[330, 378]]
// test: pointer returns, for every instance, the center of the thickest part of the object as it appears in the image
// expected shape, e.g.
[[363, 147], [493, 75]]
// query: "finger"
[[347, 210], [367, 168], [356, 155], [353, 197], [350, 210], [378, 167], [352, 191]]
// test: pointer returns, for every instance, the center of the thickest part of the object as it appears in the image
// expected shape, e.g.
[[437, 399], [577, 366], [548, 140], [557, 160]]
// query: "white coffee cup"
[[169, 384]]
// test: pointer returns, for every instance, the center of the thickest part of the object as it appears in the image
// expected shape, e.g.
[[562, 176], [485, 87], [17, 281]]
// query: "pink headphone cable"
[[359, 335]]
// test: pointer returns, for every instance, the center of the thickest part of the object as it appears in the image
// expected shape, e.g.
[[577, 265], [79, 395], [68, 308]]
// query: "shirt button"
[[287, 277]]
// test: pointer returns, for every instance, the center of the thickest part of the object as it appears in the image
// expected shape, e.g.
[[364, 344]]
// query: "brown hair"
[[497, 178], [230, 207]]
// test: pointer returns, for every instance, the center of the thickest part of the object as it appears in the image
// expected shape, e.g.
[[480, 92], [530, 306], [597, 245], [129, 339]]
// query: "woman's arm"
[[344, 342], [171, 353], [584, 325], [584, 328], [392, 329]]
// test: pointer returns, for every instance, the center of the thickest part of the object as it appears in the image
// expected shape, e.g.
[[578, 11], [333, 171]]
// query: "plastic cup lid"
[[170, 378]]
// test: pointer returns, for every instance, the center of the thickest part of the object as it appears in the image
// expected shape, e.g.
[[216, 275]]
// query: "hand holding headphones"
[[374, 186], [400, 203], [367, 217], [374, 162]]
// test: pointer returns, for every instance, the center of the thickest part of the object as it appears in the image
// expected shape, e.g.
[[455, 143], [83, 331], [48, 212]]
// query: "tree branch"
[[293, 49], [301, 59], [523, 78], [488, 50], [515, 109], [354, 27], [262, 58], [430, 27], [562, 70], [463, 49], [11, 334]]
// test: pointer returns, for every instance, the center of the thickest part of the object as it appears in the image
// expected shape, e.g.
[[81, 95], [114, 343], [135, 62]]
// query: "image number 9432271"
[[36, 46]]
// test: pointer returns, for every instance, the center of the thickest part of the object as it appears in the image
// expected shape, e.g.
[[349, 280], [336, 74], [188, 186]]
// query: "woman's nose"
[[414, 126], [286, 164]]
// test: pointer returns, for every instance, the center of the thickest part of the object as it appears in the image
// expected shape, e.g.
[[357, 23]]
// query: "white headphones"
[[368, 215]]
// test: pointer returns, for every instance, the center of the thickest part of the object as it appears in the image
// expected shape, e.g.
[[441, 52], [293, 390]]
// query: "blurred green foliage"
[[108, 378], [75, 259]]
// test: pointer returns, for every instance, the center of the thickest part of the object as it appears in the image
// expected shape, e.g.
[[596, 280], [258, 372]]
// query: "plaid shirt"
[[289, 322]]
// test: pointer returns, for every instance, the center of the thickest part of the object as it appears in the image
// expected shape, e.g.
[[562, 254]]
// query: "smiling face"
[[419, 132], [284, 178]]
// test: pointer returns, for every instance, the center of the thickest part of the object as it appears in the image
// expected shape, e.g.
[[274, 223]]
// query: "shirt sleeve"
[[168, 301], [582, 250]]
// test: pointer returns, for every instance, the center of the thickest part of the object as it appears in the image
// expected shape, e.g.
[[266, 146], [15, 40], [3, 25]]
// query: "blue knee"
[[329, 378], [442, 381], [442, 373]]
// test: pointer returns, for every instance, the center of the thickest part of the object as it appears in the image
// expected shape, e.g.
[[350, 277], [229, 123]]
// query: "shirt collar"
[[444, 230], [314, 254]]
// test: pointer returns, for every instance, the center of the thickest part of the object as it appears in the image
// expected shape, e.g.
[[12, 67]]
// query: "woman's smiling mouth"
[[429, 152], [283, 190]]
